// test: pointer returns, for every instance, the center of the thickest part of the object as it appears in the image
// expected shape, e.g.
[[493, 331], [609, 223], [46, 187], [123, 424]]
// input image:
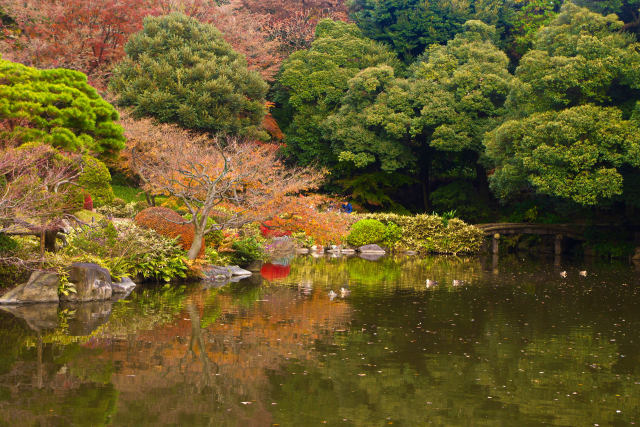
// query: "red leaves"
[[88, 202]]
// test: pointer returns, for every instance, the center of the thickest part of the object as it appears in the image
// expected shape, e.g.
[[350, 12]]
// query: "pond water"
[[514, 343]]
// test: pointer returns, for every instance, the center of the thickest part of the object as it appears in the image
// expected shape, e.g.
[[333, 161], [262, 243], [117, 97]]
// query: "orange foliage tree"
[[238, 181], [89, 35]]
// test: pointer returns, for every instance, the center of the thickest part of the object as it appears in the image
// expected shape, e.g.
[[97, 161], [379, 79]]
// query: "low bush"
[[429, 233], [119, 208], [8, 245], [125, 250], [95, 179], [246, 251], [366, 232], [167, 223]]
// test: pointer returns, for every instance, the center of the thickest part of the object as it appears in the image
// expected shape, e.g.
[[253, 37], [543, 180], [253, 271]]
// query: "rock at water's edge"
[[237, 271], [371, 249], [92, 282], [41, 287], [124, 287], [215, 273]]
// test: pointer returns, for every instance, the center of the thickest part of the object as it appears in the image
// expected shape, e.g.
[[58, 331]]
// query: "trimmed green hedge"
[[432, 233]]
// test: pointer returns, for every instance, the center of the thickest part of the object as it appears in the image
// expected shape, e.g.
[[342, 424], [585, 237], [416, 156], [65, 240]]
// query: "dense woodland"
[[272, 112]]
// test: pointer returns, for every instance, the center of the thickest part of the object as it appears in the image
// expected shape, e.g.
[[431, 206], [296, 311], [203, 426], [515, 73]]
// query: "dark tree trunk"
[[50, 240]]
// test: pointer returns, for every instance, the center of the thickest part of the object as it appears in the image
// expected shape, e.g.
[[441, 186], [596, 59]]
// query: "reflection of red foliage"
[[270, 229], [274, 271]]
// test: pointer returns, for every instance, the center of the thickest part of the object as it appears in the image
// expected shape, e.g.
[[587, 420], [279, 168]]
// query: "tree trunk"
[[196, 246], [50, 240]]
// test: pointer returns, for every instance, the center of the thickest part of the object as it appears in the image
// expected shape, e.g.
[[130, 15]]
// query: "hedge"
[[432, 233]]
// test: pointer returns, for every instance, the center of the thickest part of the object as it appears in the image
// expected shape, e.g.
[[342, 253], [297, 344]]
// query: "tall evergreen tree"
[[178, 70]]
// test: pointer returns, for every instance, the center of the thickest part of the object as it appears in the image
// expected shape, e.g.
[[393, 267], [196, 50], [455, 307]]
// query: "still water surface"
[[513, 344]]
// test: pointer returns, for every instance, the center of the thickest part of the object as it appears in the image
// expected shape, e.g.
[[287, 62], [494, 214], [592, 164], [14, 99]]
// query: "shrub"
[[246, 251], [96, 180], [366, 232], [429, 233], [167, 223], [125, 250], [59, 108], [7, 245], [121, 209], [88, 202], [392, 234], [89, 217]]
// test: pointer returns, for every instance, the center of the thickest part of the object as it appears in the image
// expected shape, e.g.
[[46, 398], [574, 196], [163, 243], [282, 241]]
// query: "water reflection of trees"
[[388, 272], [391, 351]]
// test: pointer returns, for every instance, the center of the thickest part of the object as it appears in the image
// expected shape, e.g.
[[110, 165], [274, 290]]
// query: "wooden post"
[[558, 245], [42, 238], [495, 249]]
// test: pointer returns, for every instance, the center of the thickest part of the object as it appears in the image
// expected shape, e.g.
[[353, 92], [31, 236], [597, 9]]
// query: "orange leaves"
[[167, 223], [247, 180]]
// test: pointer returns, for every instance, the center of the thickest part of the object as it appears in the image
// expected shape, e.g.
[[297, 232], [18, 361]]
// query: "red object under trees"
[[88, 202]]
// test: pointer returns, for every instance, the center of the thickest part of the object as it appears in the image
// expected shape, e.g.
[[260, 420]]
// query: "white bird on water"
[[563, 274], [583, 273], [457, 282], [332, 295], [431, 283], [344, 292]]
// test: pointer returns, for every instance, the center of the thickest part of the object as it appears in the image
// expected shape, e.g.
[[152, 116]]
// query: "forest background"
[[516, 110]]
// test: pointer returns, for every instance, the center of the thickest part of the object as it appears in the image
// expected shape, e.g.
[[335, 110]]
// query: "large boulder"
[[92, 283], [41, 287]]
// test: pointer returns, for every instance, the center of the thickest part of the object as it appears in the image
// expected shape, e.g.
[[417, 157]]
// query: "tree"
[[239, 181], [35, 184], [577, 153], [179, 70], [580, 57], [87, 36], [315, 81], [580, 87], [292, 23], [530, 16], [410, 26], [432, 123], [57, 107], [627, 10]]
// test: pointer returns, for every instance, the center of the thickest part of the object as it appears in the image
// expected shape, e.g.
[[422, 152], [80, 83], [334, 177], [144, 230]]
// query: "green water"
[[515, 344]]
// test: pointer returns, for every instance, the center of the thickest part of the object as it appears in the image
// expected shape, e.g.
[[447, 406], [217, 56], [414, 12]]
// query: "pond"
[[513, 343]]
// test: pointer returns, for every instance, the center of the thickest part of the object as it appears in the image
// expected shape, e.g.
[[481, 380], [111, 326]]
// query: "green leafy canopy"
[[56, 107], [179, 70]]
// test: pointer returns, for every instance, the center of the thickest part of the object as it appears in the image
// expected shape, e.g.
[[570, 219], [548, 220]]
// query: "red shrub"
[[166, 222], [88, 202]]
